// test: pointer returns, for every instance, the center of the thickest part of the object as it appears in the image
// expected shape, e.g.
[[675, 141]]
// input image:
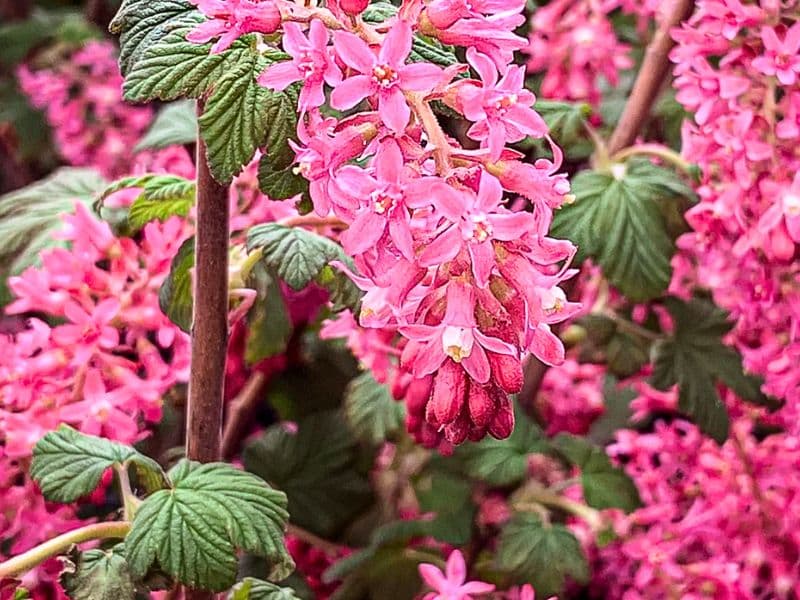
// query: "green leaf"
[[695, 358], [280, 184], [97, 575], [269, 325], [541, 554], [604, 485], [68, 465], [372, 413], [142, 24], [618, 220], [316, 467], [616, 414], [174, 125], [300, 257], [174, 68], [565, 120], [162, 197], [175, 295], [30, 216], [256, 589], [504, 462], [193, 530], [450, 498], [242, 116]]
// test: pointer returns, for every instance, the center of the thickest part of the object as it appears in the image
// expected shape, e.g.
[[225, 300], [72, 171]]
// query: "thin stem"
[[434, 131], [59, 545], [531, 497], [129, 500], [650, 78], [666, 154], [314, 540], [631, 327], [312, 220], [240, 413]]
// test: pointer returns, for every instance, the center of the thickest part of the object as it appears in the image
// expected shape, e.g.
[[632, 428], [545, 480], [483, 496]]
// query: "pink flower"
[[385, 75], [451, 585], [475, 221], [230, 19], [386, 200], [457, 337], [500, 111], [311, 63], [781, 58], [100, 412], [88, 332], [443, 13]]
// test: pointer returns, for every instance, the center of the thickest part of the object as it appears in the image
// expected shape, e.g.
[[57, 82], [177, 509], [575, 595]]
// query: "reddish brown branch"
[[210, 318], [655, 67], [209, 321], [240, 413]]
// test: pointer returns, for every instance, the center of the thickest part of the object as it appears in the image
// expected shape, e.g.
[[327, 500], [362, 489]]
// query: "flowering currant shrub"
[[414, 299]]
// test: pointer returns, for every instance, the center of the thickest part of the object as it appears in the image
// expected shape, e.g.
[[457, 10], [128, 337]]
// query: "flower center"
[[383, 201], [306, 63], [384, 75], [506, 102], [457, 343], [481, 228], [791, 205]]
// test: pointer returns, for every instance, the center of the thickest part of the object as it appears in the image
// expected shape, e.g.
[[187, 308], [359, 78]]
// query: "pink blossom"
[[385, 75], [500, 110], [451, 584], [228, 20], [475, 221], [782, 58], [311, 63]]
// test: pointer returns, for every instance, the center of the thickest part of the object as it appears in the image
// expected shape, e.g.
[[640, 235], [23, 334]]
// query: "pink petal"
[[205, 32], [490, 192], [442, 249], [294, 42], [354, 51], [393, 109], [420, 77], [352, 91], [494, 344], [106, 310], [389, 162], [280, 75], [484, 66], [364, 231], [456, 567], [546, 346], [460, 305], [483, 261], [400, 231], [432, 576], [477, 366], [397, 45], [511, 225], [317, 34]]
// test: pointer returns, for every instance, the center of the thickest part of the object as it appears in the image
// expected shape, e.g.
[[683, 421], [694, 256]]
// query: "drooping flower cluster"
[[470, 286], [82, 101], [573, 43]]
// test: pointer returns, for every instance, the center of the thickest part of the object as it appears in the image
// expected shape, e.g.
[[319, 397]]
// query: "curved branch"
[[61, 544]]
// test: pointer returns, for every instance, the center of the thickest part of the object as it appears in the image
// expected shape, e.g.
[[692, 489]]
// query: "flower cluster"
[[466, 285], [103, 369], [737, 70], [82, 101]]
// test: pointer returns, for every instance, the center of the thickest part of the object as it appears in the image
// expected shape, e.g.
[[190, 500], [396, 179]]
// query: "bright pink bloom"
[[500, 110], [457, 337], [89, 332], [312, 63], [386, 199], [476, 220], [231, 19], [385, 75], [781, 57], [452, 584], [443, 13]]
